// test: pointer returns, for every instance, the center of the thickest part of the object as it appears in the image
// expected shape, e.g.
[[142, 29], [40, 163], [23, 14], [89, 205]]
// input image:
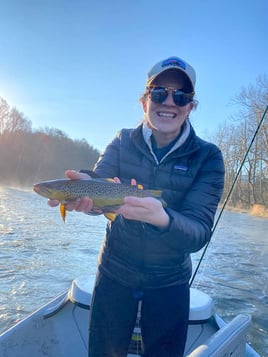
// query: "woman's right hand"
[[83, 204]]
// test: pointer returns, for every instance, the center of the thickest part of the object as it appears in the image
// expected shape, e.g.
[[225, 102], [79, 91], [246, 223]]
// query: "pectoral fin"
[[110, 215], [63, 211]]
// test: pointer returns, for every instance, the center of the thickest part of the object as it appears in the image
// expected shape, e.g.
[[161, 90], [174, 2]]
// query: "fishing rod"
[[229, 193]]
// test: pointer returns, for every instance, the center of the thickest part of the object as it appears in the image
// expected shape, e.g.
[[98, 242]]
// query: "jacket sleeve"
[[190, 227], [107, 165]]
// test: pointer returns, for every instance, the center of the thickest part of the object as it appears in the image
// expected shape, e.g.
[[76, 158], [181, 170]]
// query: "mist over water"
[[40, 256]]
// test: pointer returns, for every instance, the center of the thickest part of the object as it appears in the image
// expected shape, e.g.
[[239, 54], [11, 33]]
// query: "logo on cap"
[[174, 61]]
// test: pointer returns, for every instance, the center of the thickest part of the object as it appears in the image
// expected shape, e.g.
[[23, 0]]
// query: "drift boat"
[[60, 329]]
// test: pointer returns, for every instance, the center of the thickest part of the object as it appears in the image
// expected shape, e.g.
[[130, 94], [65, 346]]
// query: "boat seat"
[[230, 340], [201, 306], [81, 290]]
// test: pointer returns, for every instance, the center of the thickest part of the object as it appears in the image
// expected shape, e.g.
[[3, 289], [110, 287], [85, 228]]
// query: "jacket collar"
[[147, 133]]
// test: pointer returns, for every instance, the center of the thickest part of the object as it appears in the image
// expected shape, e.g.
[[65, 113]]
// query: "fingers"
[[84, 204], [147, 209], [146, 202], [133, 182], [53, 203], [75, 175]]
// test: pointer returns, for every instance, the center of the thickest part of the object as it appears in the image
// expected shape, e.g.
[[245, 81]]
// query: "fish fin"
[[110, 215], [105, 179], [63, 212]]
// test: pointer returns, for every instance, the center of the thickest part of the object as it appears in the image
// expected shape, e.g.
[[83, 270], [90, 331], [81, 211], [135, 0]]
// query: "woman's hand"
[[147, 209], [83, 204]]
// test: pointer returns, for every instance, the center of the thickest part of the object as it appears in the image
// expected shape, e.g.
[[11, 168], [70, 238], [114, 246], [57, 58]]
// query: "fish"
[[106, 194]]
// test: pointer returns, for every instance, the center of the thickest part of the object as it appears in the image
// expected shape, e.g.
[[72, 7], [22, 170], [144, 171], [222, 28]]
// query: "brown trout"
[[105, 193]]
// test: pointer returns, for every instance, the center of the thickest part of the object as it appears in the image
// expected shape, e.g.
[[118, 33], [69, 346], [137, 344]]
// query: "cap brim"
[[171, 69]]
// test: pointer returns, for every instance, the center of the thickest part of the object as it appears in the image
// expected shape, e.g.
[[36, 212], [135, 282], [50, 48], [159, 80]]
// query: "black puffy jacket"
[[140, 255]]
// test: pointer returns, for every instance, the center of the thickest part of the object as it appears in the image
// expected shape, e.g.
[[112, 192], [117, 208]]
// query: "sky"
[[80, 65]]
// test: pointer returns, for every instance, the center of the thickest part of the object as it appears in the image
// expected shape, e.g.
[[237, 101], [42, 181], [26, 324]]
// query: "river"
[[40, 256]]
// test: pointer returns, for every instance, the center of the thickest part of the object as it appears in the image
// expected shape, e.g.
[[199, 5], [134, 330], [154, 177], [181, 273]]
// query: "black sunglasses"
[[159, 95]]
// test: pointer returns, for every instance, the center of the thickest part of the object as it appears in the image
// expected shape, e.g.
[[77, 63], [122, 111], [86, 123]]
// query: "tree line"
[[28, 156], [234, 137]]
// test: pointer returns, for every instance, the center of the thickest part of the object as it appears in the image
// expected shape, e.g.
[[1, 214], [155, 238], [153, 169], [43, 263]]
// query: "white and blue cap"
[[174, 63]]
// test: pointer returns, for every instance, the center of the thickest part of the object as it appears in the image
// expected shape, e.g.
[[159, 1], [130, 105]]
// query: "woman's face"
[[166, 118]]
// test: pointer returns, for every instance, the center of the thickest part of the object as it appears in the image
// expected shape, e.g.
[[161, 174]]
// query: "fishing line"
[[229, 194]]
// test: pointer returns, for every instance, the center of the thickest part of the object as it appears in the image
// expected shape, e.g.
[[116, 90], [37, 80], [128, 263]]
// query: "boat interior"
[[60, 329]]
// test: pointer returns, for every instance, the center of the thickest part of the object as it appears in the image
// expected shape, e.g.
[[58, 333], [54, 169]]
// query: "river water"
[[40, 256]]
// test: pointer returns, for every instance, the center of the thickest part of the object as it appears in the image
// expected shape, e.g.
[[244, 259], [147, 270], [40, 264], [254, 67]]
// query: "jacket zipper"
[[142, 246]]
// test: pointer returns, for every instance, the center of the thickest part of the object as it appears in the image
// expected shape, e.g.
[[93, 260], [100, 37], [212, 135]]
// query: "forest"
[[28, 156], [234, 137]]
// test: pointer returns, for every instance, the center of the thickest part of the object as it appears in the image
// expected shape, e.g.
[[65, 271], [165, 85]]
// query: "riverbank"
[[255, 210], [259, 211]]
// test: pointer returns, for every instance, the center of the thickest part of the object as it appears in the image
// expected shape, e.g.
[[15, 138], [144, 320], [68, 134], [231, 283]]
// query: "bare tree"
[[4, 114], [251, 187], [18, 122], [11, 119]]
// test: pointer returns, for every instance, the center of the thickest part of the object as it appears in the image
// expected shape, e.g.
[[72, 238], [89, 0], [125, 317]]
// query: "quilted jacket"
[[191, 177]]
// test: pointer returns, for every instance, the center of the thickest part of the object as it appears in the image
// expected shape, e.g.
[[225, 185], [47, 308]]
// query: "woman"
[[146, 252]]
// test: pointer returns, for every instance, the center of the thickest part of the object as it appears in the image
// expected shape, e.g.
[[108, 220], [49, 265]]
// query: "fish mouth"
[[42, 190], [37, 188]]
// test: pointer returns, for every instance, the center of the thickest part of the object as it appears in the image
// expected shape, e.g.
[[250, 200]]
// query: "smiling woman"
[[147, 246], [167, 105]]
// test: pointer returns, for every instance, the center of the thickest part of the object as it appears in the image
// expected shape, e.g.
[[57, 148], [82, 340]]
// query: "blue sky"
[[80, 66]]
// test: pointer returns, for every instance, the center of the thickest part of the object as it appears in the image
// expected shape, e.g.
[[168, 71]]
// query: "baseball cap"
[[174, 63]]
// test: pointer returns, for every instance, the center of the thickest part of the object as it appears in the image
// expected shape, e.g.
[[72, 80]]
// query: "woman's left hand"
[[147, 209]]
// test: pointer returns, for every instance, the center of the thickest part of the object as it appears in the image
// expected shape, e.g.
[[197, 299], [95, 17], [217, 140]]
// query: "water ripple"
[[40, 255]]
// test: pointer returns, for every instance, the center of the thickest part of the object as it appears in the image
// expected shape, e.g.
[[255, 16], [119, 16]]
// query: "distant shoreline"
[[256, 210]]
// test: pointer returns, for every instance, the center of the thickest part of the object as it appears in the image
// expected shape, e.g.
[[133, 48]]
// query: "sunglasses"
[[159, 95]]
